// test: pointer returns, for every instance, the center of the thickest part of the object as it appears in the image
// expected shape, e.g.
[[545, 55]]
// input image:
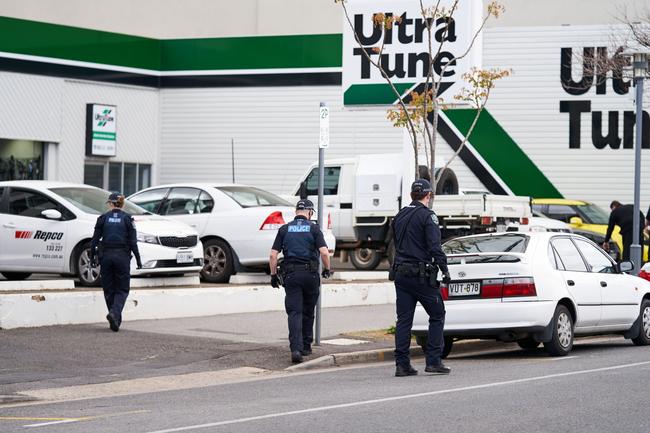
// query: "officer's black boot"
[[401, 371], [438, 369], [112, 322], [306, 351], [296, 357]]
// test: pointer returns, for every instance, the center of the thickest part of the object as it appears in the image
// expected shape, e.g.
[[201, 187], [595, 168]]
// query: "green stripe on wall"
[[368, 94], [73, 43], [501, 152], [259, 52]]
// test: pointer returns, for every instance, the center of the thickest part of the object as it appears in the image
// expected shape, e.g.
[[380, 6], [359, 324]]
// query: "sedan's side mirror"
[[576, 221], [626, 267], [52, 214], [302, 191]]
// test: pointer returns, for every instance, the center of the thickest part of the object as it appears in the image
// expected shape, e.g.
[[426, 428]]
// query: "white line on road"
[[561, 358], [43, 424], [401, 397]]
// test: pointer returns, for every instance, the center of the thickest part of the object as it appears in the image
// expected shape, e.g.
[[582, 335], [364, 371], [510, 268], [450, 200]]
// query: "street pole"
[[323, 143], [640, 65]]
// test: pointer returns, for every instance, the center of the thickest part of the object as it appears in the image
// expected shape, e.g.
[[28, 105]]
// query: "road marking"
[[29, 418], [397, 398], [70, 420], [67, 421], [561, 358]]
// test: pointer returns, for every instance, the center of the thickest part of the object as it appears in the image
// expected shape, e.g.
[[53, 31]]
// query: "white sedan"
[[237, 223], [46, 227], [537, 288]]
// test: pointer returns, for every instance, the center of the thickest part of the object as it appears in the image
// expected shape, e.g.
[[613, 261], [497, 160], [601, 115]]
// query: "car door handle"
[[570, 282], [9, 226], [603, 284]]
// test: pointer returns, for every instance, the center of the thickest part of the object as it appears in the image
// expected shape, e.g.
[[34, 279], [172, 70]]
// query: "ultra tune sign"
[[406, 56], [101, 130]]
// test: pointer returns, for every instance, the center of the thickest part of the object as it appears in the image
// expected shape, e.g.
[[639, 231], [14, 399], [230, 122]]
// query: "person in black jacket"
[[418, 255], [623, 216], [116, 237]]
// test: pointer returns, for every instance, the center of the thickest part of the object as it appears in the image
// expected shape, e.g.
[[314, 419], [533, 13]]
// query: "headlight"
[[147, 238]]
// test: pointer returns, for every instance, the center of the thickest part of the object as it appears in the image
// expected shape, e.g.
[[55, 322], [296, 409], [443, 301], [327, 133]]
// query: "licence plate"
[[464, 289], [185, 257]]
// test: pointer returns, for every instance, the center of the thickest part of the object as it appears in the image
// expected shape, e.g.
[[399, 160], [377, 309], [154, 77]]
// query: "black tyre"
[[218, 263], [422, 340], [88, 275], [16, 276], [365, 259], [643, 339], [528, 344], [562, 341]]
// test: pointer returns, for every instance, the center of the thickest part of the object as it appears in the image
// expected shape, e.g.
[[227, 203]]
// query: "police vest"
[[115, 233], [299, 245]]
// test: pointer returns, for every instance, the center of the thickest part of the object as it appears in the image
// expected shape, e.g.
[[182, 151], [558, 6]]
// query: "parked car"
[[538, 288], [539, 223], [645, 272], [47, 227], [236, 223]]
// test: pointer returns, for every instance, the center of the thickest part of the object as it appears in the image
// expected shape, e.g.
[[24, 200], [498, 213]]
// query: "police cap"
[[114, 197], [305, 205], [421, 185]]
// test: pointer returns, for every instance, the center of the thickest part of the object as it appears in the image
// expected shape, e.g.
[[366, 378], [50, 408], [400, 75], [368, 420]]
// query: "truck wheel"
[[448, 182], [365, 259], [16, 276], [218, 263], [88, 275]]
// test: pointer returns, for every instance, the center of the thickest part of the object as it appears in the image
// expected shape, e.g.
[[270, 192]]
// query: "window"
[[252, 197], [130, 179], [569, 256], [538, 208], [93, 200], [115, 176], [181, 201], [593, 214], [561, 212], [144, 176], [205, 204], [514, 243], [94, 175], [332, 175], [21, 160], [29, 203], [150, 200], [597, 260]]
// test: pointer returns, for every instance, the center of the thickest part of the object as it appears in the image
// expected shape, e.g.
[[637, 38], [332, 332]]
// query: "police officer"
[[301, 241], [417, 242], [116, 236], [623, 216]]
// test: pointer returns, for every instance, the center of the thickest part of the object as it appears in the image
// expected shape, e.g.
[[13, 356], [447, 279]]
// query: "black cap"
[[305, 205], [114, 197], [421, 185]]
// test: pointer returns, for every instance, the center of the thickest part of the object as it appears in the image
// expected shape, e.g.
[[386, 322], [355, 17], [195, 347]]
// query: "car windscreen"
[[247, 196], [93, 200], [510, 243], [497, 258], [593, 214]]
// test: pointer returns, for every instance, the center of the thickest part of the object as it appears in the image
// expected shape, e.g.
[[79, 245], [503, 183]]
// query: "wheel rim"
[[215, 261], [364, 255], [87, 273], [564, 331], [646, 321]]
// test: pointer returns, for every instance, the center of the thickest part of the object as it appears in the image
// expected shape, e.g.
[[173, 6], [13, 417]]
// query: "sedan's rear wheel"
[[218, 263], [88, 275], [562, 340], [528, 343], [643, 339]]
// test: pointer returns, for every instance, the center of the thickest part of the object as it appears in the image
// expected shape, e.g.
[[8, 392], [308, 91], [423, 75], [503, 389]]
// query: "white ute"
[[46, 227]]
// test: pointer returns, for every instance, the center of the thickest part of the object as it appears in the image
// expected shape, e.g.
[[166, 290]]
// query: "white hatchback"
[[536, 288], [237, 223], [46, 227]]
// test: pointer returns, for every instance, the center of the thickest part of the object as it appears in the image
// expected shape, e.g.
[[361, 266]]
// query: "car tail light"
[[486, 220], [329, 221], [524, 221], [444, 291], [492, 288], [273, 221], [519, 287], [644, 274]]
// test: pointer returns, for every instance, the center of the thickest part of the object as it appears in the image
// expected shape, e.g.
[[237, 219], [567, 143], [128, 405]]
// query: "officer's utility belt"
[[426, 272], [288, 268]]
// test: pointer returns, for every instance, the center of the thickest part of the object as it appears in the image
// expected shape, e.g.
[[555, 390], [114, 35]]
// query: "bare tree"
[[418, 112]]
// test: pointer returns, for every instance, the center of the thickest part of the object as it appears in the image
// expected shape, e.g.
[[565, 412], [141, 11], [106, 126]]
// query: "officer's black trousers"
[[410, 291], [116, 277], [301, 296]]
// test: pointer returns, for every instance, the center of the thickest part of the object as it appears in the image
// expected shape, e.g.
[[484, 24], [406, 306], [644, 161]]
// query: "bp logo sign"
[[405, 57], [100, 130]]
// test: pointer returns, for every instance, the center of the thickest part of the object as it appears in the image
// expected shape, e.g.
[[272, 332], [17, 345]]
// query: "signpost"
[[323, 143]]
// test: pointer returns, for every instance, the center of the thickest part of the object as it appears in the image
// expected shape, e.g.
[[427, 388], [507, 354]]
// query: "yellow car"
[[583, 217]]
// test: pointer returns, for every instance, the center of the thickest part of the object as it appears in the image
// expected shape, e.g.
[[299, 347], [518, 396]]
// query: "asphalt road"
[[601, 387]]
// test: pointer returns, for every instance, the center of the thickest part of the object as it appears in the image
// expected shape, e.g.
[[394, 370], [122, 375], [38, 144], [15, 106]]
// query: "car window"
[[569, 256], [561, 212], [29, 203], [205, 204], [151, 199], [598, 260], [331, 181], [93, 200], [181, 201], [510, 243], [592, 214], [539, 208], [553, 258], [247, 196]]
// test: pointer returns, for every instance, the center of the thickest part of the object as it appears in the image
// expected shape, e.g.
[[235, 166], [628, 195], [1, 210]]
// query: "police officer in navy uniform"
[[116, 236], [418, 255], [301, 242]]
